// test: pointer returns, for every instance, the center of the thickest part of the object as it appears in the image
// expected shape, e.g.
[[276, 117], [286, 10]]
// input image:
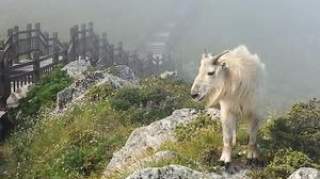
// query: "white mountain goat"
[[232, 81]]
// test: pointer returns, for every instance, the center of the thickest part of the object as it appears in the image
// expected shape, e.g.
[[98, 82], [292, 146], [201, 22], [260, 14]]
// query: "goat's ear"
[[224, 66]]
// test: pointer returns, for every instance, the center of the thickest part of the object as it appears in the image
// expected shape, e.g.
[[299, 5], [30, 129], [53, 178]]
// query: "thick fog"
[[284, 33]]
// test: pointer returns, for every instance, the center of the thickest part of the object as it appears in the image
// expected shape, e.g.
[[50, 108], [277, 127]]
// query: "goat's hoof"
[[254, 162], [249, 161], [227, 165], [221, 163], [224, 164]]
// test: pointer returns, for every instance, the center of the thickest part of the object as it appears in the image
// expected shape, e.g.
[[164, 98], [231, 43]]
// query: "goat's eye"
[[211, 73]]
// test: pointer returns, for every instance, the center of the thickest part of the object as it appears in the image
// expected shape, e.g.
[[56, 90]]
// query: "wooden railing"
[[28, 54]]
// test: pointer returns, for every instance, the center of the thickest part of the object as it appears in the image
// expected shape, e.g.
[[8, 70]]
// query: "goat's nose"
[[194, 95]]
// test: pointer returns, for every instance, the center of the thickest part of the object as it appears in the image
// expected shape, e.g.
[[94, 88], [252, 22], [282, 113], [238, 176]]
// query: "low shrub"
[[42, 95], [284, 163], [153, 100], [299, 129]]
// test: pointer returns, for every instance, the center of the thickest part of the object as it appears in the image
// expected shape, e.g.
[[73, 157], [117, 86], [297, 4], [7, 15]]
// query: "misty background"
[[284, 33]]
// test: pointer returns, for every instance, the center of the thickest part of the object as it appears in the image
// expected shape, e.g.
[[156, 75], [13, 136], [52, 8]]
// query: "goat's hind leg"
[[253, 154]]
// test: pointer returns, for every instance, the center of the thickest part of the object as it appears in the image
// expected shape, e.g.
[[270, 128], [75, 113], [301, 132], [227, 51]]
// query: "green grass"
[[77, 144], [198, 145], [286, 143], [41, 96], [80, 143]]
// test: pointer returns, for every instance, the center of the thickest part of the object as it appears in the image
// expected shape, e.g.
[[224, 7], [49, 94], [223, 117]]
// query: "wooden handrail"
[[37, 41], [26, 31], [43, 36], [21, 65], [19, 75]]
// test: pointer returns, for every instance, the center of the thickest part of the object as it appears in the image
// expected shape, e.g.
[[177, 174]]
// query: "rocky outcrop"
[[177, 172], [123, 72], [305, 173], [146, 140], [76, 68], [171, 171], [80, 87], [116, 76], [169, 75]]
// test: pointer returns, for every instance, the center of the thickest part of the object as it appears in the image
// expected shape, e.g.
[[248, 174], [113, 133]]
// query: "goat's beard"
[[214, 96]]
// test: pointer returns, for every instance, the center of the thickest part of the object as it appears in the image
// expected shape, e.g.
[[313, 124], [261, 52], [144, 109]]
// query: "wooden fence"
[[28, 54]]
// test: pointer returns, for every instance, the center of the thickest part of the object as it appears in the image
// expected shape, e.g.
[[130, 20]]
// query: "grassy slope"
[[286, 143], [79, 143]]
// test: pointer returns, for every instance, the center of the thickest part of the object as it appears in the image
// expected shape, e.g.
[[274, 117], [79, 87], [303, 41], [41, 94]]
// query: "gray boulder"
[[145, 139], [168, 172], [169, 75], [76, 68], [305, 173], [123, 72], [180, 172], [80, 87]]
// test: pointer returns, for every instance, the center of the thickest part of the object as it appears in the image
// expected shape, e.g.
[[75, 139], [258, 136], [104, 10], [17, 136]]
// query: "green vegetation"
[[153, 100], [286, 143], [41, 96], [198, 144], [74, 145], [80, 142], [291, 141]]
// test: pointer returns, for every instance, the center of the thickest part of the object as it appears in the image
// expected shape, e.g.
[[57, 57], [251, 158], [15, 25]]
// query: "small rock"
[[123, 72], [76, 68], [169, 172], [305, 173], [181, 172], [169, 75]]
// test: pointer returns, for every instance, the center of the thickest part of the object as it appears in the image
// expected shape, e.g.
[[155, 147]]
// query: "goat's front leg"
[[253, 154], [228, 121]]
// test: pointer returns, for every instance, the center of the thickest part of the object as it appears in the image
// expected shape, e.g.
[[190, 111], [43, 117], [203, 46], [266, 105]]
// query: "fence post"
[[76, 42], [36, 55], [11, 43], [96, 49], [94, 44], [5, 88], [83, 41], [16, 44], [91, 35], [120, 54], [36, 66], [29, 39], [112, 54], [37, 37], [104, 49], [55, 48], [65, 56], [71, 48], [104, 40], [47, 35]]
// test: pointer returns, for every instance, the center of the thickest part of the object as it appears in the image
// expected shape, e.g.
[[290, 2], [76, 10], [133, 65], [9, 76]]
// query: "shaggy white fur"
[[233, 81]]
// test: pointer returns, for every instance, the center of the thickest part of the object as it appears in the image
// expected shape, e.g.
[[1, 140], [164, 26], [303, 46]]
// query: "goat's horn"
[[205, 52], [217, 57]]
